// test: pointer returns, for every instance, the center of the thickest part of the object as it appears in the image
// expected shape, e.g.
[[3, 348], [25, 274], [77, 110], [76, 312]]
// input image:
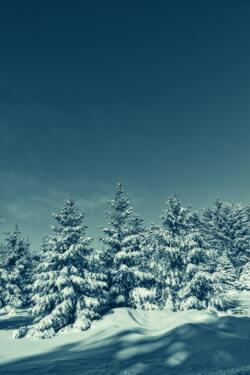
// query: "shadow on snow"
[[14, 322], [193, 348]]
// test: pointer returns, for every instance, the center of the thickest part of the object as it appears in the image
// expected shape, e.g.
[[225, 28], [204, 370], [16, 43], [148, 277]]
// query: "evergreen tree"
[[210, 280], [223, 295], [141, 287], [184, 252], [244, 281], [240, 252], [65, 292], [188, 263], [122, 250], [226, 227], [118, 217], [178, 219], [155, 265], [226, 232], [156, 250], [127, 258], [2, 275], [2, 253], [195, 286], [16, 270], [3, 278]]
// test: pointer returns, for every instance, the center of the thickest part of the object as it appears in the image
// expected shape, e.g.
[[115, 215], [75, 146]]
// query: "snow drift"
[[128, 341]]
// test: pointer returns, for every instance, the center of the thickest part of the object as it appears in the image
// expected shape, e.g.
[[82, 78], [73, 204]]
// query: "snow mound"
[[128, 341]]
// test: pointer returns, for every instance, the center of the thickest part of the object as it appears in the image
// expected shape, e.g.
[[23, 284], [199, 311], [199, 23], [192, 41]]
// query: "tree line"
[[192, 260]]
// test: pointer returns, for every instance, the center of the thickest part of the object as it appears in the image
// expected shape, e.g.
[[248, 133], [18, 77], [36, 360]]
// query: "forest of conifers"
[[192, 260]]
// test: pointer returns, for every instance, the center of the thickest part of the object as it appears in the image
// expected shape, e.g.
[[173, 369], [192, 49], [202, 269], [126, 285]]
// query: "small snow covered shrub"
[[196, 293], [221, 301], [21, 332], [191, 303], [144, 299]]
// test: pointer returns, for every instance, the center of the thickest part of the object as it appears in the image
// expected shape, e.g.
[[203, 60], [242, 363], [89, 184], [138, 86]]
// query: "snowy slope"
[[126, 341]]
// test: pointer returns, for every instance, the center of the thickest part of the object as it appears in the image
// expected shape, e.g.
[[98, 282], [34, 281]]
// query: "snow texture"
[[128, 341]]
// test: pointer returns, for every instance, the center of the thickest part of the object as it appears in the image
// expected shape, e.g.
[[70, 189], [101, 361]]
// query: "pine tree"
[[178, 219], [2, 253], [240, 253], [122, 251], [183, 251], [223, 295], [141, 288], [196, 285], [65, 292], [16, 271], [226, 227], [245, 277], [156, 250], [154, 265], [127, 258], [189, 263], [118, 216], [210, 280], [3, 278], [2, 275]]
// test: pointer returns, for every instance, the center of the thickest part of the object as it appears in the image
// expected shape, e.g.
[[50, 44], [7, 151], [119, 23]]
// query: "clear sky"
[[155, 94]]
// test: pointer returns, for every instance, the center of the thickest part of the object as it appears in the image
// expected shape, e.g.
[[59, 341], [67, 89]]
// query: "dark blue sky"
[[153, 93]]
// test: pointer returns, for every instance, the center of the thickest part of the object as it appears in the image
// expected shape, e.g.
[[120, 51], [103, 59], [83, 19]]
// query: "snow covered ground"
[[126, 341]]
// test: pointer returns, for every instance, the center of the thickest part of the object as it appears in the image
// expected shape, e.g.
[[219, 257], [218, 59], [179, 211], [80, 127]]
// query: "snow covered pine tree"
[[182, 253], [15, 271], [65, 293], [190, 277], [142, 291], [245, 277], [3, 279], [121, 255], [226, 227]]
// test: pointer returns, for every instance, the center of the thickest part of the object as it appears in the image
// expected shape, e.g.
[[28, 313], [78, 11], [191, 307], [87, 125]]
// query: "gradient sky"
[[155, 94]]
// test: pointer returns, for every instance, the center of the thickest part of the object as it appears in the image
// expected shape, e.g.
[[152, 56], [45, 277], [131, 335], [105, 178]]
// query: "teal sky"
[[151, 93]]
